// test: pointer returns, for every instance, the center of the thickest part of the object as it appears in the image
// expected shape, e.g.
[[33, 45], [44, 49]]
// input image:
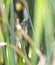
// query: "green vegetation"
[[27, 32]]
